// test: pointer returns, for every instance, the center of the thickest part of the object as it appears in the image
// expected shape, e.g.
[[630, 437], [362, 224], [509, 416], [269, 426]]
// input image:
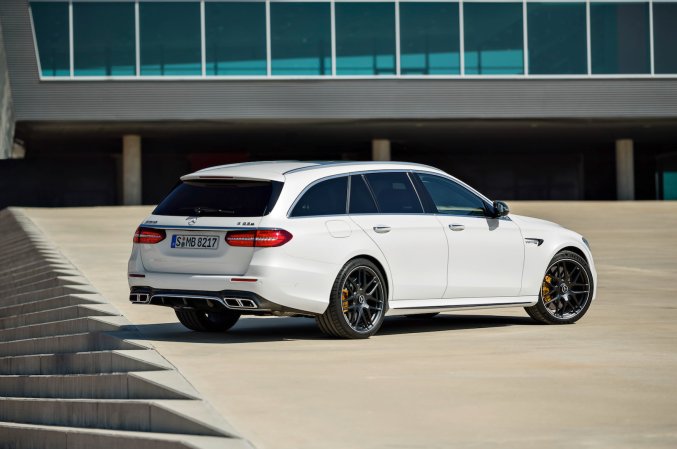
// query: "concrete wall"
[[319, 99], [6, 108]]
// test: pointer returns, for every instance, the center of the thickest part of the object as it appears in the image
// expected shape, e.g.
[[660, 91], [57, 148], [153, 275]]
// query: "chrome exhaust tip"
[[139, 298]]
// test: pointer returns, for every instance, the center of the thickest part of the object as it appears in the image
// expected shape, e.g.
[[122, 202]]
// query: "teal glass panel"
[[300, 38], [493, 37], [235, 34], [365, 38], [170, 38], [619, 38], [557, 39], [429, 38], [665, 37], [104, 39], [50, 21], [669, 184]]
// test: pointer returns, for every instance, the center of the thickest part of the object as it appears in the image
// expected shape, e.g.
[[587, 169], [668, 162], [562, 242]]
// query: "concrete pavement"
[[472, 379]]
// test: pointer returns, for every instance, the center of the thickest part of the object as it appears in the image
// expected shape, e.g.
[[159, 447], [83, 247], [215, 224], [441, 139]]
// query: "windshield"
[[220, 199]]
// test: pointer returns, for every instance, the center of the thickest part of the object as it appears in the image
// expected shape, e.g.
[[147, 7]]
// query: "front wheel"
[[566, 290], [202, 321], [358, 301]]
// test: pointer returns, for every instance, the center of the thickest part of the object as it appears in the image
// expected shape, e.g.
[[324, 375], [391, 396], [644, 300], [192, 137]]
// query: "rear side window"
[[394, 193], [220, 199], [361, 201], [451, 198], [324, 198]]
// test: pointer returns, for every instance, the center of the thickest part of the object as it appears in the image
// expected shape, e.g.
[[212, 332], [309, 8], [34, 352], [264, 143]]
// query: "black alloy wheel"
[[358, 301], [566, 290]]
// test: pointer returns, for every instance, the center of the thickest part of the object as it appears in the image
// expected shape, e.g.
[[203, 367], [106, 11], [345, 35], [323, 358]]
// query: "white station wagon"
[[349, 243]]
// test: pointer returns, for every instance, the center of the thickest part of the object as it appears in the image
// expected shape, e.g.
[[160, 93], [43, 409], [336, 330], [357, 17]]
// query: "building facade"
[[563, 99]]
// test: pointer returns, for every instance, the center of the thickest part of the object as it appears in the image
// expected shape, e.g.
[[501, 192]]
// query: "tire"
[[201, 321], [566, 290], [423, 316], [355, 311]]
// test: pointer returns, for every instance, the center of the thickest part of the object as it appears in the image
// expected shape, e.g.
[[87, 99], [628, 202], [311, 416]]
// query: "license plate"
[[195, 242]]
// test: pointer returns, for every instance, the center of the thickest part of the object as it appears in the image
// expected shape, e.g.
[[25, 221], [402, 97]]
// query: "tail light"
[[148, 235], [262, 238]]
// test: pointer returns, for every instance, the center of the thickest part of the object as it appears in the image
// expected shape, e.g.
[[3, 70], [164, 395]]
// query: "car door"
[[387, 208], [486, 254]]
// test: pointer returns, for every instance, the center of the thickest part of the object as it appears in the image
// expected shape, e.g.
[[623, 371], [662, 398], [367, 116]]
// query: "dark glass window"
[[104, 39], [451, 198], [324, 198], [619, 37], [493, 38], [235, 34], [429, 38], [394, 193], [170, 38], [557, 38], [50, 21], [365, 38], [665, 37], [300, 38], [220, 199], [361, 200]]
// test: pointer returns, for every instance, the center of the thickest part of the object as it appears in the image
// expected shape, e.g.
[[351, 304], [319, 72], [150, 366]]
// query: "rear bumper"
[[245, 302]]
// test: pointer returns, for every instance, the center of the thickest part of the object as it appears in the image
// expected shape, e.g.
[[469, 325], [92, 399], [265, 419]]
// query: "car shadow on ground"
[[253, 330]]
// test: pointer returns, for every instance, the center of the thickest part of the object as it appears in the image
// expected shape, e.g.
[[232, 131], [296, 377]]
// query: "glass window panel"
[[619, 37], [493, 37], [394, 193], [429, 38], [236, 38], [50, 21], [665, 37], [557, 38], [170, 38], [103, 39], [365, 38], [361, 201], [300, 38], [450, 198], [324, 198]]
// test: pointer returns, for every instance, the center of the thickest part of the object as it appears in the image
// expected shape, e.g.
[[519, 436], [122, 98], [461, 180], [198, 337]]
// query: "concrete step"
[[9, 281], [136, 385], [93, 362], [9, 299], [65, 327], [31, 436], [58, 314], [51, 303], [52, 281], [80, 342], [132, 415]]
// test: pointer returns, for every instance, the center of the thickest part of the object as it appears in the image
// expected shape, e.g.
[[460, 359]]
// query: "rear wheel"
[[202, 321], [358, 302], [566, 290]]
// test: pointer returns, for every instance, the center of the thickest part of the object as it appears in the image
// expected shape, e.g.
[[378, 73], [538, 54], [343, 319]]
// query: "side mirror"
[[500, 209]]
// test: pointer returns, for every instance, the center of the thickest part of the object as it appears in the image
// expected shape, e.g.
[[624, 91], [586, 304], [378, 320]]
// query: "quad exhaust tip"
[[139, 298], [240, 303]]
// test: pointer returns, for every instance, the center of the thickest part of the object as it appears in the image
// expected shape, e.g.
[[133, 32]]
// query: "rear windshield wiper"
[[208, 210]]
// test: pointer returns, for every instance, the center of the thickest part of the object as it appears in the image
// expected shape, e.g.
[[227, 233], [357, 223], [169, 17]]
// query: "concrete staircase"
[[74, 373]]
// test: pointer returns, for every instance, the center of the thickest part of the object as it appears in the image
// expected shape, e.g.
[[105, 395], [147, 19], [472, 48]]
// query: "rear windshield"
[[220, 199]]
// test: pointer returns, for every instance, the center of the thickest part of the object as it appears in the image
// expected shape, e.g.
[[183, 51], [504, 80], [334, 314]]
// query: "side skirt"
[[411, 307]]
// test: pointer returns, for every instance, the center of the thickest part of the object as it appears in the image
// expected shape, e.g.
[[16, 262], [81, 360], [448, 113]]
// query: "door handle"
[[456, 227], [381, 229]]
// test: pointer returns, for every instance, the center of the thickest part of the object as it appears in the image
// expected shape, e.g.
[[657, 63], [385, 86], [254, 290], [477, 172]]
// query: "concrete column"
[[131, 170], [380, 150], [625, 170]]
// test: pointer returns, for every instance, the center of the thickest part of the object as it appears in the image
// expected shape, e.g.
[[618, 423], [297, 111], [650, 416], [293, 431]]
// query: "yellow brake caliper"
[[545, 289], [344, 299]]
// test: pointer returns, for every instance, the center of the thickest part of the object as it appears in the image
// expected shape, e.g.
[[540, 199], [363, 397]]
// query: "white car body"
[[429, 266]]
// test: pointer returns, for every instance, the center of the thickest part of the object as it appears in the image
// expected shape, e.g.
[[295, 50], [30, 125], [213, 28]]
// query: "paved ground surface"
[[472, 379]]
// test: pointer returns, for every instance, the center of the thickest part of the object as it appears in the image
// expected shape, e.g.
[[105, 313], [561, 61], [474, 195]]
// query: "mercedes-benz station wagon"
[[349, 243]]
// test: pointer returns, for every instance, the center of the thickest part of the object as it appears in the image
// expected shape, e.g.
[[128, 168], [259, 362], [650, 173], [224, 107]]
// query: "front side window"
[[324, 198], [394, 193], [450, 198]]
